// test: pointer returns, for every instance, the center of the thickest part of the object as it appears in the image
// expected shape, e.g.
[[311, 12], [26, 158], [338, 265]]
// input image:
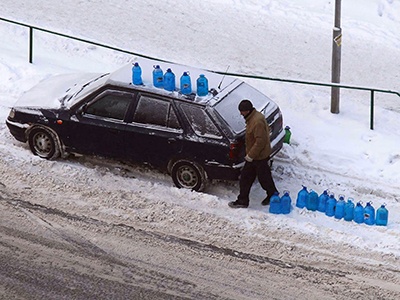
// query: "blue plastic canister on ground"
[[359, 213], [137, 74], [382, 215], [202, 85], [302, 197], [349, 210], [185, 84], [275, 204], [339, 209], [169, 81], [312, 201], [322, 201], [330, 206], [158, 77], [286, 203], [369, 214]]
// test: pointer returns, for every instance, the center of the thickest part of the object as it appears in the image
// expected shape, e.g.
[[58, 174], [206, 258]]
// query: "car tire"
[[44, 143], [188, 175]]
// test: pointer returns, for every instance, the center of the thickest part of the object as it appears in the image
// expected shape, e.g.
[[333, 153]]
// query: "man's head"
[[245, 107]]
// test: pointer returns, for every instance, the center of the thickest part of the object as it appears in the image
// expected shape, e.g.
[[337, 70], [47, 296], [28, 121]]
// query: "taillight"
[[234, 149]]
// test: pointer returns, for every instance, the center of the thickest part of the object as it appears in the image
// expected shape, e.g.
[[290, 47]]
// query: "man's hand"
[[248, 158]]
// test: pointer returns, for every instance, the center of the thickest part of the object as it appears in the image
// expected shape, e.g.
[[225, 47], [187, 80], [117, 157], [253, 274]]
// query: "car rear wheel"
[[43, 142], [188, 175]]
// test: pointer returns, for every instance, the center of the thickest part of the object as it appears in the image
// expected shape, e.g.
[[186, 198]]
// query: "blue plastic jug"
[[158, 77], [302, 197], [369, 214], [339, 209], [275, 204], [359, 213], [286, 203], [137, 74], [169, 80], [322, 201], [202, 85], [349, 210], [186, 84], [382, 215], [312, 201], [330, 206]]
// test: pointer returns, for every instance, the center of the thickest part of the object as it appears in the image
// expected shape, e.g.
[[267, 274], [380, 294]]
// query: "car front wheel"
[[188, 175], [43, 142]]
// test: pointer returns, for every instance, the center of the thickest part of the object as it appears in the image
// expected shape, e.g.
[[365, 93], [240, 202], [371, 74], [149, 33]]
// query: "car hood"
[[54, 92]]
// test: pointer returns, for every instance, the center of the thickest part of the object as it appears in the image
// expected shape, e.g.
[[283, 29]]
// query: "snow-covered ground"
[[287, 39]]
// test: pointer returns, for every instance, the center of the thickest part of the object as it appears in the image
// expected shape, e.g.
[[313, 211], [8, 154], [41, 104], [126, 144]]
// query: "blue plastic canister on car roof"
[[186, 84], [158, 77], [202, 85], [169, 81], [137, 74]]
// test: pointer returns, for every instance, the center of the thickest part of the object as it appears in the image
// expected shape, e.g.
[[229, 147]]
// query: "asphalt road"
[[49, 254]]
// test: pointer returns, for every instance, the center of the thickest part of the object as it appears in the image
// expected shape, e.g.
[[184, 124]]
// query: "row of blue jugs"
[[341, 209], [280, 205], [167, 80]]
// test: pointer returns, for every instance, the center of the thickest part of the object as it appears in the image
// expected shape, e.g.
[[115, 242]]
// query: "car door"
[[155, 134], [99, 126]]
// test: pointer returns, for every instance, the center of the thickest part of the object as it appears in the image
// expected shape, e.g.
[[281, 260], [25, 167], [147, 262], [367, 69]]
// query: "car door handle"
[[171, 140]]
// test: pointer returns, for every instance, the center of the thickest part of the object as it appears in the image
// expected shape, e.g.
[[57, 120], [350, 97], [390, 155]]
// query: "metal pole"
[[372, 111], [336, 58], [30, 44]]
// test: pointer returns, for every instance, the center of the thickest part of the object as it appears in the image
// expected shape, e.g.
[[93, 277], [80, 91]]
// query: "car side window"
[[201, 122], [154, 111], [112, 106]]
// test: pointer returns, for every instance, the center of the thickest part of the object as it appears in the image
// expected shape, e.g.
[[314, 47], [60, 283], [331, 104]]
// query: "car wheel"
[[188, 175], [43, 142]]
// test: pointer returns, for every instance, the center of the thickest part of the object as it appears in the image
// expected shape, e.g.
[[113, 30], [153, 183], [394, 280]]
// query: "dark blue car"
[[194, 138]]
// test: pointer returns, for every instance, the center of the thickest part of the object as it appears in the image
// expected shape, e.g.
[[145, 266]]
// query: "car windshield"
[[228, 106], [79, 91]]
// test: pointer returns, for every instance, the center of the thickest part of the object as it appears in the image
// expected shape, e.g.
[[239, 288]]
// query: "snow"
[[274, 38]]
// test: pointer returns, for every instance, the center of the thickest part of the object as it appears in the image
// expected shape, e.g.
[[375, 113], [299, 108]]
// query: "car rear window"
[[228, 106]]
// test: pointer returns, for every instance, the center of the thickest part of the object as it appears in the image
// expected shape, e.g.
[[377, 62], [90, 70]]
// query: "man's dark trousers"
[[251, 170]]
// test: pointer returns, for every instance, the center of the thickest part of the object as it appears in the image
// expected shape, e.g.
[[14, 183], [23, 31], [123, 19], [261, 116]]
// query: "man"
[[258, 150]]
